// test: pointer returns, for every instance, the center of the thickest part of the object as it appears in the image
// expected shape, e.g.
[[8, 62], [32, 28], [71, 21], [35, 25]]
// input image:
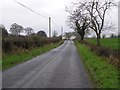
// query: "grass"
[[12, 60], [101, 72], [107, 42]]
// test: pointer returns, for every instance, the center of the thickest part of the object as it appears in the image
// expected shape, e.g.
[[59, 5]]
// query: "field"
[[103, 74], [107, 42]]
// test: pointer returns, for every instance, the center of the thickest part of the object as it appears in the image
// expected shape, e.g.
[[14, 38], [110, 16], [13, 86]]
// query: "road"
[[58, 68]]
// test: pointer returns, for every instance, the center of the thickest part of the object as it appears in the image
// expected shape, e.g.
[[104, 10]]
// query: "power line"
[[34, 12], [30, 9]]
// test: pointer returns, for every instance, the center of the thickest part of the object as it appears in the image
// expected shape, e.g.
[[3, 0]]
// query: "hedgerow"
[[9, 44]]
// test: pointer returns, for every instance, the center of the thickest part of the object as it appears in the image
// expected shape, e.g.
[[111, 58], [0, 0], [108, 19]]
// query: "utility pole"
[[62, 31], [49, 26]]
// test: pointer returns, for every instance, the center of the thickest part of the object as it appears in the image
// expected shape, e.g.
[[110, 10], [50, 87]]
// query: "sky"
[[11, 12]]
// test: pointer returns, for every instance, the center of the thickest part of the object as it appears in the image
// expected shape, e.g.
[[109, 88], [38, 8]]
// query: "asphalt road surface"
[[58, 68]]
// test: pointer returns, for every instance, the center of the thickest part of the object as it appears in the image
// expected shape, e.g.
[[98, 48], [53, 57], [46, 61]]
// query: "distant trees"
[[4, 31], [16, 29], [91, 15], [42, 33], [29, 31]]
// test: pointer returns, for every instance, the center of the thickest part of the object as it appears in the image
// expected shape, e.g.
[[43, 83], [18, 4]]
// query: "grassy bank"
[[101, 72], [12, 60], [107, 42]]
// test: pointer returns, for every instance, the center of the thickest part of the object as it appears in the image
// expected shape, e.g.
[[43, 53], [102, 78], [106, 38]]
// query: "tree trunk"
[[82, 37], [98, 39]]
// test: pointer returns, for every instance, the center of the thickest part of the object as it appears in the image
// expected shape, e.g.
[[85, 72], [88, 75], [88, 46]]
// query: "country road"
[[58, 68]]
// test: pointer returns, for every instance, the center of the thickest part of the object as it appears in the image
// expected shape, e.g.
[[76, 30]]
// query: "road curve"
[[58, 68]]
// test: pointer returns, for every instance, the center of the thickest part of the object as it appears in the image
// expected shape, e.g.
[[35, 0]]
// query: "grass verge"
[[12, 60], [101, 72]]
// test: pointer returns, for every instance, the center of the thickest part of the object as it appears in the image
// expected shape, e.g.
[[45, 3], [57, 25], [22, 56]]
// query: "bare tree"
[[29, 31], [16, 29], [97, 12], [81, 27], [79, 21]]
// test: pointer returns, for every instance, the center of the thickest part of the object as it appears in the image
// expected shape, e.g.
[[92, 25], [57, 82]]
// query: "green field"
[[103, 74], [107, 42], [11, 60]]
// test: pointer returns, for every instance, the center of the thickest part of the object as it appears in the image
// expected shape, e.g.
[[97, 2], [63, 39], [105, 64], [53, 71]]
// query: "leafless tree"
[[79, 21], [97, 11], [16, 29], [29, 31]]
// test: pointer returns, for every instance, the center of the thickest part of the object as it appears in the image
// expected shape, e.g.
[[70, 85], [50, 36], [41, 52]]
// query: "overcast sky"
[[11, 12]]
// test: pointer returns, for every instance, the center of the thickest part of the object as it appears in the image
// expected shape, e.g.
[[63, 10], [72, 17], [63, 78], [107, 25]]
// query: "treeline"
[[15, 42], [16, 30]]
